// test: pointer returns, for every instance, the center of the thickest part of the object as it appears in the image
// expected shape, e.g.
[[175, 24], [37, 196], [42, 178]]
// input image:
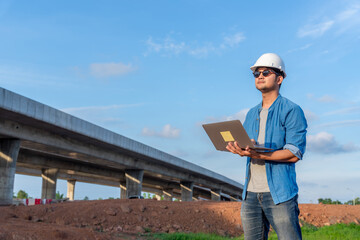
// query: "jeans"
[[258, 211]]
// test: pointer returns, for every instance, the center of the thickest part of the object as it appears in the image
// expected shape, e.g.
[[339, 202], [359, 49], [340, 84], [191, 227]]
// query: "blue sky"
[[154, 71]]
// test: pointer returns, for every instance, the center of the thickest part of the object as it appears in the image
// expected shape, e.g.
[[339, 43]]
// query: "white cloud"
[[300, 48], [339, 124], [310, 116], [310, 95], [347, 19], [327, 99], [96, 109], [167, 132], [325, 52], [105, 116], [110, 69], [170, 46], [323, 99], [347, 14], [202, 51], [167, 46], [349, 110], [325, 143], [233, 40], [327, 185], [30, 75], [152, 46], [315, 30], [237, 116]]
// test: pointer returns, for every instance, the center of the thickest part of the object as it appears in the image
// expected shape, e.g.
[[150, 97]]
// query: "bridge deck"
[[52, 138]]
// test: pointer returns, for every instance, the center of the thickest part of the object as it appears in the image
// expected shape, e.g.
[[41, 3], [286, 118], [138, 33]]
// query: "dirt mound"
[[327, 214], [118, 219]]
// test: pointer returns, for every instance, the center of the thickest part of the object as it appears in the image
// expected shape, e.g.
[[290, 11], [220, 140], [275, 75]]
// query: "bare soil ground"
[[125, 219]]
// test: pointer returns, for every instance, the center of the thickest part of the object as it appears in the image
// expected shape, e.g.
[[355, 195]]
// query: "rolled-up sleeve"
[[294, 150], [295, 127]]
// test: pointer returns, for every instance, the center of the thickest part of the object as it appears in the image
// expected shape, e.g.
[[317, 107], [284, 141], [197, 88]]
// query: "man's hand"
[[247, 152], [284, 156]]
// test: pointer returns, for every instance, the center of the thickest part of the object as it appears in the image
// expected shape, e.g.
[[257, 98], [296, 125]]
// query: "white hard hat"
[[271, 60]]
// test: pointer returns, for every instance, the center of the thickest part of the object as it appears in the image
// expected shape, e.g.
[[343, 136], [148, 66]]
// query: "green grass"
[[309, 232], [334, 232], [187, 236]]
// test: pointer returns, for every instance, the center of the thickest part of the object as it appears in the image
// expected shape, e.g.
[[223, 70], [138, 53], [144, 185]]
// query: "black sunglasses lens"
[[266, 73]]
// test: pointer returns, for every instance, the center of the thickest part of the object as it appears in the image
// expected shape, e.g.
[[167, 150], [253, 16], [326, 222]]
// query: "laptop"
[[221, 133]]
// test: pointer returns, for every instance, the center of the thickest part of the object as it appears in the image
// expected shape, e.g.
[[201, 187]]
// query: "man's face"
[[269, 83]]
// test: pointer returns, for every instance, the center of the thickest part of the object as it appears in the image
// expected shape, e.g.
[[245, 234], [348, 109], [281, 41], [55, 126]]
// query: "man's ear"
[[279, 79]]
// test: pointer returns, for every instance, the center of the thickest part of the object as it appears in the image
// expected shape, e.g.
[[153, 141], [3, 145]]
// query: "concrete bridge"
[[38, 140]]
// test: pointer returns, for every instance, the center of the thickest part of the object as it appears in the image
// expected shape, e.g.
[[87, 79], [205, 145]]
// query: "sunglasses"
[[265, 73]]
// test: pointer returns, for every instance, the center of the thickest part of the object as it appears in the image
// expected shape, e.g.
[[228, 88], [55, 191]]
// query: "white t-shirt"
[[258, 180]]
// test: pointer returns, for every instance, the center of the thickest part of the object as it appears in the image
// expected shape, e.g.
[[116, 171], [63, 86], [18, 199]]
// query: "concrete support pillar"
[[168, 194], [186, 191], [49, 177], [71, 189], [157, 197], [134, 180], [216, 195], [123, 190], [9, 150]]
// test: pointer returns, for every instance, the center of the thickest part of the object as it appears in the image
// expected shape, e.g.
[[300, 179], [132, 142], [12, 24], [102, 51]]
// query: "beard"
[[265, 89]]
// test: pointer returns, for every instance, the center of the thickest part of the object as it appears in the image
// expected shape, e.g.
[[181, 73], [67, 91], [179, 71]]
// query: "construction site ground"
[[128, 219]]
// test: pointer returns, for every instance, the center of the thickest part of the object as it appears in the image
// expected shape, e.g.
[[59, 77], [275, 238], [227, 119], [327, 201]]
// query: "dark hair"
[[278, 72]]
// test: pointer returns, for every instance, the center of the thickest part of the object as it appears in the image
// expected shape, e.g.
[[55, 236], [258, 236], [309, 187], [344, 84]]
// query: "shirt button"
[[256, 130]]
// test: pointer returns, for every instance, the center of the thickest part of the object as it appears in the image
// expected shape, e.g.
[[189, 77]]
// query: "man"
[[270, 191]]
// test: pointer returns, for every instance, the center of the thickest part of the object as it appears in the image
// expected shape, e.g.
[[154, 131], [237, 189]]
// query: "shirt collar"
[[259, 106]]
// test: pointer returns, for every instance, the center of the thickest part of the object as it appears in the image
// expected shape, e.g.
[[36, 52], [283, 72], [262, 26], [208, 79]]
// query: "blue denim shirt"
[[285, 129]]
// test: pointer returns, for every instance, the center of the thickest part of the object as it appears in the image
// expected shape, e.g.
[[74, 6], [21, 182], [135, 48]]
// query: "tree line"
[[355, 201], [21, 194]]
